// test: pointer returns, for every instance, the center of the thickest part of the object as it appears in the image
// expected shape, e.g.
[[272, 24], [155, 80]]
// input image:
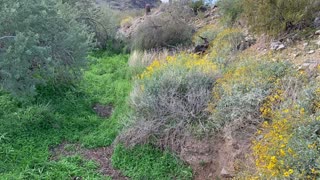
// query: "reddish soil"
[[101, 155], [219, 157], [103, 111]]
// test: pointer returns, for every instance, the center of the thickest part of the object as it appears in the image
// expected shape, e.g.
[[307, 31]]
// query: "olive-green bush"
[[166, 29], [169, 97], [41, 41], [279, 16], [231, 10]]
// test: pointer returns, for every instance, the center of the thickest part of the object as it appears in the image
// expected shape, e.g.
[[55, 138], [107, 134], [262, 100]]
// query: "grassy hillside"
[[224, 92]]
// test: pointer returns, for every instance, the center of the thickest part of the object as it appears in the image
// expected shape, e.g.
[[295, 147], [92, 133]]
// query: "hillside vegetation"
[[186, 91]]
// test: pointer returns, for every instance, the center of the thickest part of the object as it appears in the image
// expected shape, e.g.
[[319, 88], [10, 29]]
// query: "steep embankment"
[[261, 87], [234, 151]]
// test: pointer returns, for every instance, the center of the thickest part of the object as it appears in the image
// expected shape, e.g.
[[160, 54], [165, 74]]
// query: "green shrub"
[[306, 142], [279, 16], [231, 10], [241, 107], [147, 162], [102, 21], [289, 143], [106, 26], [225, 43], [139, 60], [166, 29], [196, 5], [44, 42], [169, 96], [239, 94], [209, 31]]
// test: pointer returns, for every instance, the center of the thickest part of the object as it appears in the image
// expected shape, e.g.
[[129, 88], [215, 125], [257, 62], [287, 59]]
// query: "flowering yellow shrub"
[[250, 73], [272, 148], [240, 75], [225, 43], [238, 94], [287, 146], [267, 108], [189, 61], [317, 100], [126, 21]]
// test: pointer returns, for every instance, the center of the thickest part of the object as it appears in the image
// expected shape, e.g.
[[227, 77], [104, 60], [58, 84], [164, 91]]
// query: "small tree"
[[40, 41]]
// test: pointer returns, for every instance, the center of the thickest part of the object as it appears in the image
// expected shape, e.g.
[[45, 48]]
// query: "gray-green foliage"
[[239, 106], [277, 16], [238, 97], [305, 140], [165, 29], [231, 10], [169, 102], [45, 43], [196, 5], [102, 21]]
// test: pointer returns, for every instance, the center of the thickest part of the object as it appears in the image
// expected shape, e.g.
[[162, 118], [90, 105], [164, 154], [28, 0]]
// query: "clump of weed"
[[147, 162]]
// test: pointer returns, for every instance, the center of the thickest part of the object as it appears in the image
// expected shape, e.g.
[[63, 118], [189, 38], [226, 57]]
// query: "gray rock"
[[259, 137], [281, 46], [277, 46], [246, 43], [304, 66], [225, 174], [311, 52], [309, 65], [296, 55], [317, 32]]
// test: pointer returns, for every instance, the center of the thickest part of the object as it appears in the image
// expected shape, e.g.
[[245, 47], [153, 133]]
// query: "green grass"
[[108, 82], [65, 168], [30, 129], [146, 162]]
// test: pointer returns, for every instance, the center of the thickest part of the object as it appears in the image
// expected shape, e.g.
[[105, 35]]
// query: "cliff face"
[[128, 4]]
